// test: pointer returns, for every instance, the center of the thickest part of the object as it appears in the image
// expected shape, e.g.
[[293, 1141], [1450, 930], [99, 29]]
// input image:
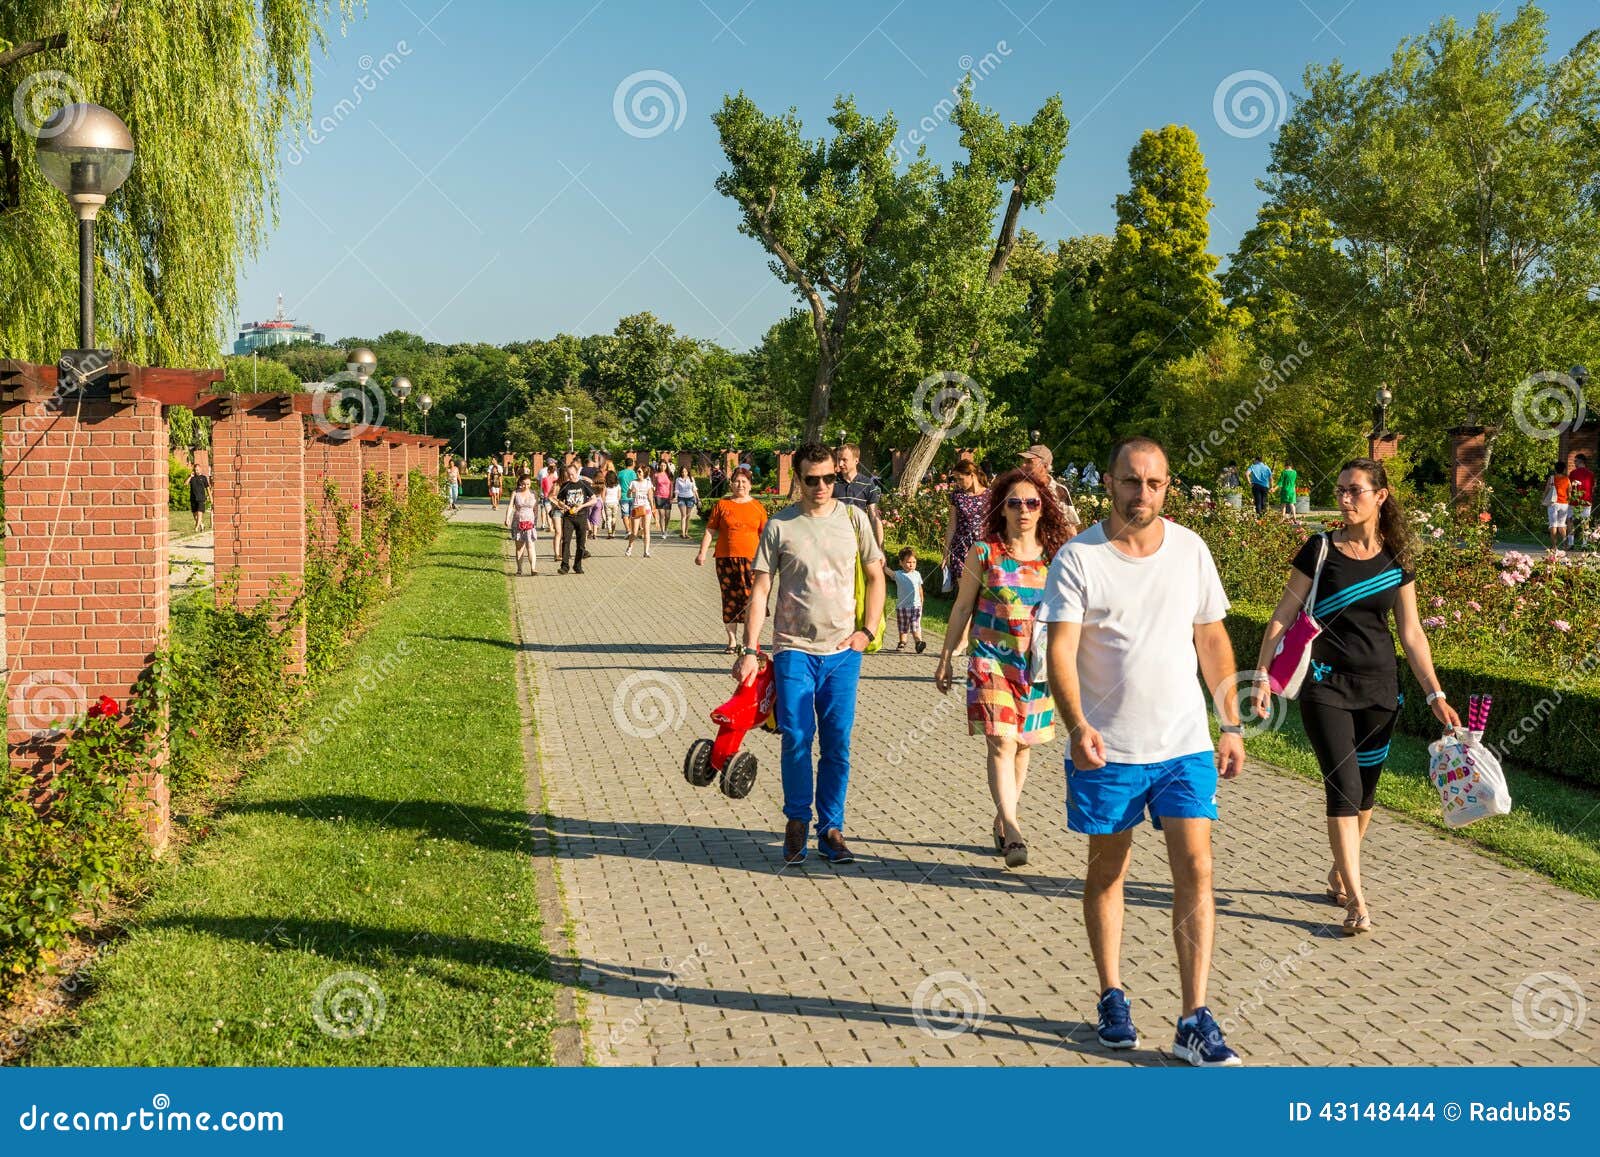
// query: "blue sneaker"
[[1199, 1041], [1116, 1029]]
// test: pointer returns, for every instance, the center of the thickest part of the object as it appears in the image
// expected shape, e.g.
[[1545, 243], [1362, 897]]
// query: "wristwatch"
[[749, 651], [1432, 695], [1231, 729]]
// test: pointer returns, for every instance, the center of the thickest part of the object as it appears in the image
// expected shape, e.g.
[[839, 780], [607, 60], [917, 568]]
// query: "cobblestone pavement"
[[700, 947]]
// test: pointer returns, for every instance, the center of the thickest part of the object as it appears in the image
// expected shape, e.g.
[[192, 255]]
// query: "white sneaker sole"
[[1111, 1044], [1184, 1053]]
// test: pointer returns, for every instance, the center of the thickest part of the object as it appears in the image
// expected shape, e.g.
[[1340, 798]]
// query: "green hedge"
[[1536, 722]]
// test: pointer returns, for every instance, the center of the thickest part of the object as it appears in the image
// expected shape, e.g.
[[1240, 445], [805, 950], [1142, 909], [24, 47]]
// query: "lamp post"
[[1380, 412], [402, 390], [425, 403], [1580, 378], [86, 152], [462, 418], [567, 410]]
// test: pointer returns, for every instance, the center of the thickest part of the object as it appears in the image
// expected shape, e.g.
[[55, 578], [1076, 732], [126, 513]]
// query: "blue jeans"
[[816, 693]]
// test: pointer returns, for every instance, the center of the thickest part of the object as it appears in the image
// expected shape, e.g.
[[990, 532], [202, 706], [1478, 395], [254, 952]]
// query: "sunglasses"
[[1024, 503], [819, 479], [1351, 491]]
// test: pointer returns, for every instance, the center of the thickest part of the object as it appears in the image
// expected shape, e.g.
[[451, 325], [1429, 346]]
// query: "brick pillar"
[[400, 468], [730, 462], [260, 506], [1381, 448], [897, 463], [685, 458], [1583, 440], [1469, 450], [85, 578], [538, 465], [334, 456], [201, 463], [375, 461], [785, 470]]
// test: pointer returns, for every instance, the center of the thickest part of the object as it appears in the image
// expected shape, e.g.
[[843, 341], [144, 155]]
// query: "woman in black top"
[[1351, 694]]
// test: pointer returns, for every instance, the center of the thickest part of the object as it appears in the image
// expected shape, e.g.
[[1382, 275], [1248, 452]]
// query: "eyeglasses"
[[1351, 491], [1150, 485], [819, 479], [1023, 503]]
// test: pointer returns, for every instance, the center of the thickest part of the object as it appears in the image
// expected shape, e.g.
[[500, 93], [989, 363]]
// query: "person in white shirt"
[[641, 493], [613, 502], [1134, 604]]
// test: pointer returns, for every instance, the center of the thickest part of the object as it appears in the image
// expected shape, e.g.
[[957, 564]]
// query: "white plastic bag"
[[1468, 775]]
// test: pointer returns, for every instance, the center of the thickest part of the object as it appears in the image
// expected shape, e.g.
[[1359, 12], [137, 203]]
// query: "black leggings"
[[1351, 747]]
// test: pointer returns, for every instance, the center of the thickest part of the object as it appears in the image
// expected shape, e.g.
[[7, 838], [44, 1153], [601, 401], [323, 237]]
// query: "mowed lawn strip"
[[394, 848]]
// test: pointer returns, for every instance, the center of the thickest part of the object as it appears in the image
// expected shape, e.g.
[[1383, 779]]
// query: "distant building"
[[279, 331]]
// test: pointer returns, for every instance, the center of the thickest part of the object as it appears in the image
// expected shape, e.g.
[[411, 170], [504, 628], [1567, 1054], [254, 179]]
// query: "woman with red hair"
[[1008, 694]]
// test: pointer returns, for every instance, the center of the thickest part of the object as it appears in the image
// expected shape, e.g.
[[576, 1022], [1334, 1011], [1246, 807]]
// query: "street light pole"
[[463, 420], [567, 410], [425, 403]]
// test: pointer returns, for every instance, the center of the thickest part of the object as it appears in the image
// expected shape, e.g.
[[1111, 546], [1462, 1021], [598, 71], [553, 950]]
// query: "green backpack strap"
[[875, 633]]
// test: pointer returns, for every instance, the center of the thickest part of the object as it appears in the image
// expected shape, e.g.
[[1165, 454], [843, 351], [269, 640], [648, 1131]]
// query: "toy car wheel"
[[739, 776], [697, 767]]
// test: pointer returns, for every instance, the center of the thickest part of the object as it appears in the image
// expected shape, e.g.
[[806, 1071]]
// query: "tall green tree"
[[1157, 300], [822, 208], [208, 92], [1461, 183], [1024, 158]]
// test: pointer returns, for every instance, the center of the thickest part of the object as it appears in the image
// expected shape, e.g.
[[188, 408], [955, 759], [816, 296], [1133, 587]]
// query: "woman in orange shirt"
[[735, 524]]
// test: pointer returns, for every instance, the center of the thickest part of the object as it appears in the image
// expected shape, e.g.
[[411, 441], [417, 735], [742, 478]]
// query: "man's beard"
[[1137, 521]]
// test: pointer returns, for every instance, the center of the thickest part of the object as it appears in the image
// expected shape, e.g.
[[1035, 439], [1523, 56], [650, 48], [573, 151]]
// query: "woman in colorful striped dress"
[[1008, 701]]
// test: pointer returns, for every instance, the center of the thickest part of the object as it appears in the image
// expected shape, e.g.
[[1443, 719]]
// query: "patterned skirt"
[[998, 706], [735, 579]]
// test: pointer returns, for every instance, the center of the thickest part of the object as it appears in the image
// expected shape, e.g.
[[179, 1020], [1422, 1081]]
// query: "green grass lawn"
[[397, 848], [180, 524]]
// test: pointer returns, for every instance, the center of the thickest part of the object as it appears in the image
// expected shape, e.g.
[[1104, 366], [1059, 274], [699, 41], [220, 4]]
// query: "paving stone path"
[[700, 947]]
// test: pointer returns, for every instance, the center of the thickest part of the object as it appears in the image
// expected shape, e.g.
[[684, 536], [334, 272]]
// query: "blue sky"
[[476, 184]]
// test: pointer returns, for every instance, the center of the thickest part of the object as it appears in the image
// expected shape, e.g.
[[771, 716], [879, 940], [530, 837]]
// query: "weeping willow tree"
[[208, 88]]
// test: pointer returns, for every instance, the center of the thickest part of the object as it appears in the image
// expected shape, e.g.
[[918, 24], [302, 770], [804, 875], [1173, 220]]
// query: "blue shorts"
[[1102, 801]]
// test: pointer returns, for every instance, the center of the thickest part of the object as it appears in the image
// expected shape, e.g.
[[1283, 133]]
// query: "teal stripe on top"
[[1372, 586]]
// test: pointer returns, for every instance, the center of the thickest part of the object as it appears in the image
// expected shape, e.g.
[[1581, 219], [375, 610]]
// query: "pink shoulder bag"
[[1288, 667]]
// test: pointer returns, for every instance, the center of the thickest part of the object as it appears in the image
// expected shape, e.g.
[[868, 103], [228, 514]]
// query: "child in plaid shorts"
[[908, 600]]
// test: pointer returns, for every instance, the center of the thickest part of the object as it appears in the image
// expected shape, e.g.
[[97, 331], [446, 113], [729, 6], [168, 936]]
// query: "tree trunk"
[[821, 393]]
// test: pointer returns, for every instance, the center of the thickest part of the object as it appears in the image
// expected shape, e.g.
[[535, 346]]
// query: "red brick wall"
[[259, 500], [1469, 453], [85, 561], [339, 459]]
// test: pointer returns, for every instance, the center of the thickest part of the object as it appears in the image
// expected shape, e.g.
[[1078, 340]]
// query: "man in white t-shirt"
[[1134, 603]]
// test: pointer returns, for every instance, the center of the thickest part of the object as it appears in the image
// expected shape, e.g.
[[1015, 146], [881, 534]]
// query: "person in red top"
[[735, 525], [1581, 500], [1557, 491]]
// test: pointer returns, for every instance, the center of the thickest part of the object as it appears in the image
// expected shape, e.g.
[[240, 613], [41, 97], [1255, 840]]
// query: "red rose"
[[106, 706]]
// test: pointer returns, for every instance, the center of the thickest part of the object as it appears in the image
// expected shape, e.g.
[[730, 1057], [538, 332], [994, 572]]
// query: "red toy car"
[[753, 705]]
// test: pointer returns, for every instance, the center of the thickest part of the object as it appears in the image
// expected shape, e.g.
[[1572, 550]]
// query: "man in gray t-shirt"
[[812, 548]]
